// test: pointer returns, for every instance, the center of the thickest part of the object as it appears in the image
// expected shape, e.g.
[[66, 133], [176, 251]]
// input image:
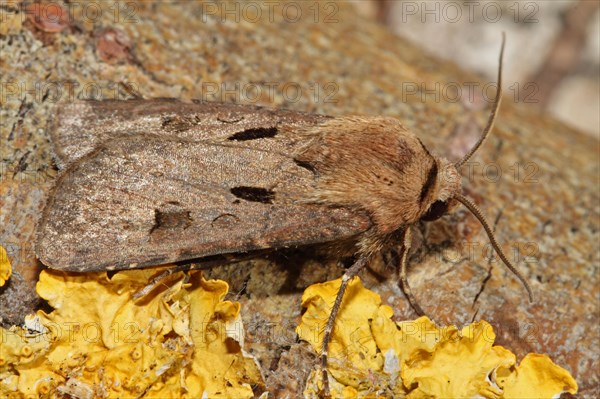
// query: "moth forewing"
[[83, 125], [147, 199]]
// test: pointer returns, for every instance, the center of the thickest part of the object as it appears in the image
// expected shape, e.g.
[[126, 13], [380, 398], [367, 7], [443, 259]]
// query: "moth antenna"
[[477, 213], [494, 112]]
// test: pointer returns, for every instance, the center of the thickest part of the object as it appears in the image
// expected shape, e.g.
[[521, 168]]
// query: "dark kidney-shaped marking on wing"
[[253, 134], [254, 194]]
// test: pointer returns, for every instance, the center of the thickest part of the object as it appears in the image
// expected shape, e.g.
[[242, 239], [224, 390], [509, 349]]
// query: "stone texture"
[[535, 178], [554, 67]]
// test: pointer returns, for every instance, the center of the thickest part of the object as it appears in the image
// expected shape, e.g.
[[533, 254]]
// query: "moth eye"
[[435, 211]]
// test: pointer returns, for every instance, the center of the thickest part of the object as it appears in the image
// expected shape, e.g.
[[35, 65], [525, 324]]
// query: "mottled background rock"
[[558, 53], [536, 178]]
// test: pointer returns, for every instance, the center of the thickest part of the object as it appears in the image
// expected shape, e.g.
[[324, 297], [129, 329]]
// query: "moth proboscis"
[[150, 182]]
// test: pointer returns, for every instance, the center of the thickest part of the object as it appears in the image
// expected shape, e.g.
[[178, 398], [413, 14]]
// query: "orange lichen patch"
[[5, 267], [179, 339], [49, 17], [113, 45], [371, 356]]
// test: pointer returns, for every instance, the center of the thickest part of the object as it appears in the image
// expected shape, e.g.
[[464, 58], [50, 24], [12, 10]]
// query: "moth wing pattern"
[[145, 199], [81, 126]]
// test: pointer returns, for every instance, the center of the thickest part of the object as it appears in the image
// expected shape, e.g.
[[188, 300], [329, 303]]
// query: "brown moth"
[[149, 182]]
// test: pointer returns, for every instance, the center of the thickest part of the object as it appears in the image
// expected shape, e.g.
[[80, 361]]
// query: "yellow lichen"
[[180, 339], [459, 366], [536, 377], [354, 344], [5, 268], [371, 356]]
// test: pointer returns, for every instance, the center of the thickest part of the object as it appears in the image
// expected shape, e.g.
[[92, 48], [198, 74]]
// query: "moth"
[[150, 182]]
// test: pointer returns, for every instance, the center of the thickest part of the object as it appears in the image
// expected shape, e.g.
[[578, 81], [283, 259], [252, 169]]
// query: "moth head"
[[446, 191], [443, 183]]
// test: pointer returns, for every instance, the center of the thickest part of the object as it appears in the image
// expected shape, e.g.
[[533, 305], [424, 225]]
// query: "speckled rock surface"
[[536, 179]]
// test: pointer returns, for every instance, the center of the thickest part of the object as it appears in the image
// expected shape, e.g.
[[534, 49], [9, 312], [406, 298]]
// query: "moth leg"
[[160, 278], [406, 242], [348, 275], [199, 265], [175, 269]]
